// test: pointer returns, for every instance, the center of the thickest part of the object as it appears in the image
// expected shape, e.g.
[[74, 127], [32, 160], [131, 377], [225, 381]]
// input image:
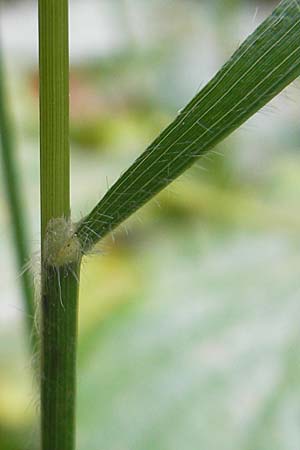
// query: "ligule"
[[61, 245]]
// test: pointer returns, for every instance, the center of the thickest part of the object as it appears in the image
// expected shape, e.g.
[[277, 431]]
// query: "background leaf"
[[204, 360]]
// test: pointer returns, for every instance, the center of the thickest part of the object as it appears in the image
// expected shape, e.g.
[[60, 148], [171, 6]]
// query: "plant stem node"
[[61, 245]]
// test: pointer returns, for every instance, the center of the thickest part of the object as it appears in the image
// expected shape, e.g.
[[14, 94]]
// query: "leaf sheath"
[[59, 338]]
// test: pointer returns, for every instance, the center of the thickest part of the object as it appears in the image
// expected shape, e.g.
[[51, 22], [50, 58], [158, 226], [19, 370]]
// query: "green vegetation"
[[15, 202], [59, 274], [262, 66]]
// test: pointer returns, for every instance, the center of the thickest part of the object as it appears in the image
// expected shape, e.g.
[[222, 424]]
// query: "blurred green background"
[[189, 314]]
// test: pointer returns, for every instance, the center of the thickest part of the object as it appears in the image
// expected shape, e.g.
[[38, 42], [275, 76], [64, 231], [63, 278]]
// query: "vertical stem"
[[58, 358], [59, 281], [13, 191], [54, 110]]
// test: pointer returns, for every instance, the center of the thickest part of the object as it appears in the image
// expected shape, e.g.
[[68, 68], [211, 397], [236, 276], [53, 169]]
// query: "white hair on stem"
[[61, 245]]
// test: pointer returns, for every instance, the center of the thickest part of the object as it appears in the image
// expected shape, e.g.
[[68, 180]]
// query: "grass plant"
[[263, 65]]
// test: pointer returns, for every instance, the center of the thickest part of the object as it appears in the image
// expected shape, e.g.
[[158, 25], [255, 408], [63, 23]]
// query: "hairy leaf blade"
[[263, 65]]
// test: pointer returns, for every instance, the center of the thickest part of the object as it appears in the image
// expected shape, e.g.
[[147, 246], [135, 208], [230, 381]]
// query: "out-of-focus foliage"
[[208, 357]]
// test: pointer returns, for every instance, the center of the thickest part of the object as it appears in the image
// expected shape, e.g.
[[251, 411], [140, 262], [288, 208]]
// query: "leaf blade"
[[264, 64]]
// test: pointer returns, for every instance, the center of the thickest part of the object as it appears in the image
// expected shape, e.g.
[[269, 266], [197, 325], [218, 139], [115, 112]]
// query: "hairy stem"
[[59, 337], [59, 279], [15, 203]]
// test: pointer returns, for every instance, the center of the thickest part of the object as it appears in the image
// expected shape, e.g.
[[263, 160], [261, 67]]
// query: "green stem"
[[54, 110], [59, 337], [59, 275], [18, 222]]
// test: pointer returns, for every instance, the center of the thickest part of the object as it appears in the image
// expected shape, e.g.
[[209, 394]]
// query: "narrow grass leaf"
[[12, 185], [263, 65]]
